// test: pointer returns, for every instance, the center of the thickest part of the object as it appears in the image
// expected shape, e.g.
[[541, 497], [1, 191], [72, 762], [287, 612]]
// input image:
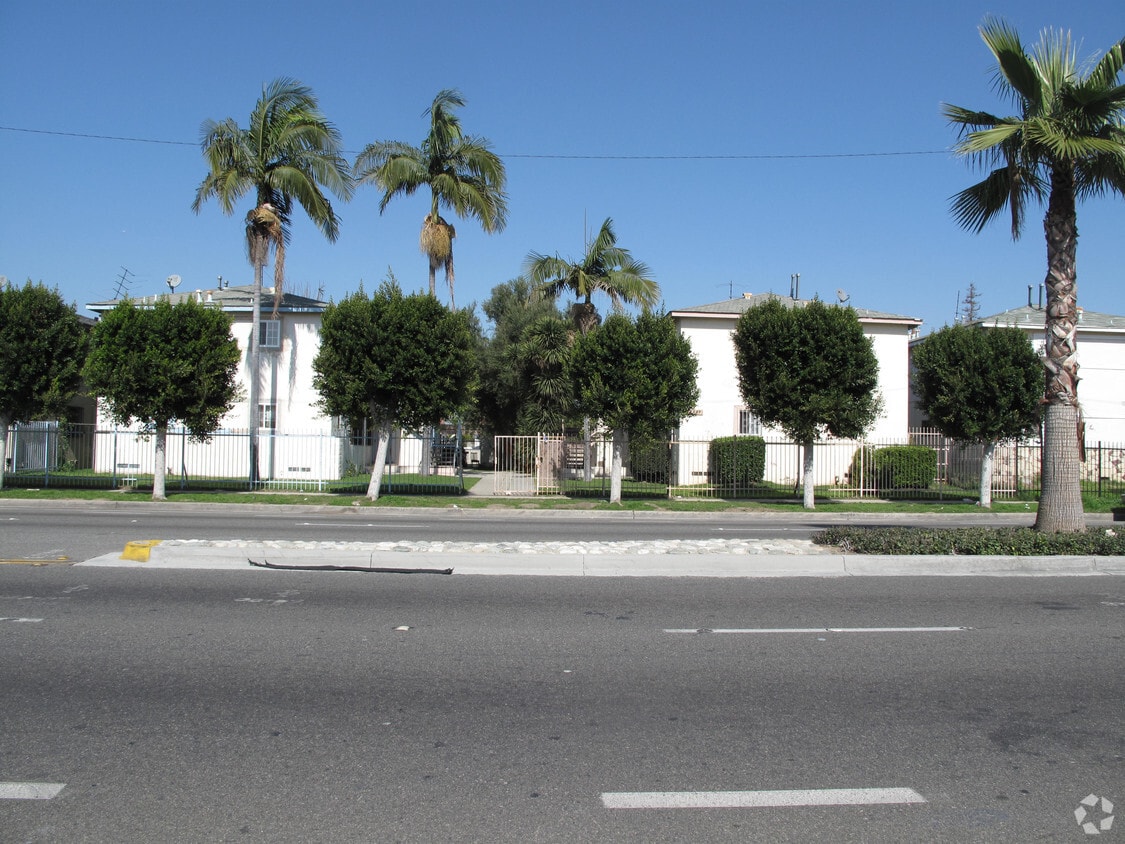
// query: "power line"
[[559, 157], [95, 137]]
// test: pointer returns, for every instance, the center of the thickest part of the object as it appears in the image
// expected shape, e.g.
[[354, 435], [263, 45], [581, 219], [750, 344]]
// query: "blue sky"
[[837, 164]]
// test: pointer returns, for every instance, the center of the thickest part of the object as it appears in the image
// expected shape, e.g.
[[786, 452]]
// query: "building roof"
[[1033, 318], [735, 307], [231, 299]]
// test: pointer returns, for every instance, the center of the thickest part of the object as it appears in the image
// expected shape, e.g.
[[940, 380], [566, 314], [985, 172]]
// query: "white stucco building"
[[295, 437], [721, 413], [1101, 366]]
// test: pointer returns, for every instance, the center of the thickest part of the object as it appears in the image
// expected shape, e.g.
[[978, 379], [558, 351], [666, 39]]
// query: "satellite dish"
[[173, 281], [842, 295]]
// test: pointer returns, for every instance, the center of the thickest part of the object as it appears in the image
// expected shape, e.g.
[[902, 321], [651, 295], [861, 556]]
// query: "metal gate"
[[529, 465]]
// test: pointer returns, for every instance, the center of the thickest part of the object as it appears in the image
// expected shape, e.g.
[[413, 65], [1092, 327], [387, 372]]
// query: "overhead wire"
[[552, 156]]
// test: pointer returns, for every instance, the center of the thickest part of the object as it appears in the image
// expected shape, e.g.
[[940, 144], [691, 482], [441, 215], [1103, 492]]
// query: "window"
[[748, 423], [269, 334], [267, 416]]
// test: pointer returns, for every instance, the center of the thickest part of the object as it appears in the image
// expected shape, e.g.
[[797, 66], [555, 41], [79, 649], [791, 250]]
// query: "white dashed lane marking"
[[30, 790], [816, 629], [759, 799]]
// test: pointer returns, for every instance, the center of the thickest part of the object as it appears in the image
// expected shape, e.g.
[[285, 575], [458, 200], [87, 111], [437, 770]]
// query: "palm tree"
[[1065, 143], [605, 268], [290, 151], [461, 171]]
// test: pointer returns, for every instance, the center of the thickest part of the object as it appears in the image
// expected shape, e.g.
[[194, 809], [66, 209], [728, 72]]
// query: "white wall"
[[1101, 388], [1101, 385], [285, 379], [719, 399]]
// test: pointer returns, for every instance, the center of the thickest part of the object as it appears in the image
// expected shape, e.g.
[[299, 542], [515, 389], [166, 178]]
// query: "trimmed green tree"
[[162, 363], [401, 361], [42, 347], [1065, 142], [638, 379], [809, 371], [979, 385]]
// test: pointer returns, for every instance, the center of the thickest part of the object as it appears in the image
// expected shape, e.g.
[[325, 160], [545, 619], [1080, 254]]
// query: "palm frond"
[[289, 151], [1099, 175], [1104, 73], [1016, 76], [975, 206]]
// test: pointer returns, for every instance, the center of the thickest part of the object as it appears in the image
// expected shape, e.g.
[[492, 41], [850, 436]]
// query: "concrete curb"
[[165, 556]]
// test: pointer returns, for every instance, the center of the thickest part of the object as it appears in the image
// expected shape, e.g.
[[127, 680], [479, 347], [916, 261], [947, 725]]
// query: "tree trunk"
[[1060, 499], [620, 444], [809, 501], [384, 434], [5, 423], [160, 462], [426, 464], [255, 359], [587, 454], [986, 475], [1061, 511]]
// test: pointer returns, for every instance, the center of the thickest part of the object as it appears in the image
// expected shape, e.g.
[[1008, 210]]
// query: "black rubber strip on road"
[[266, 564]]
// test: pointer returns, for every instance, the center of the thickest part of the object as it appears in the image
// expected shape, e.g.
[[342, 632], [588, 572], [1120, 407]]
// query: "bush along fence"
[[927, 467], [54, 455]]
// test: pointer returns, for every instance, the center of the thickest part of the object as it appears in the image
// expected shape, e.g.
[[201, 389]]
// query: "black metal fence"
[[927, 466], [60, 454]]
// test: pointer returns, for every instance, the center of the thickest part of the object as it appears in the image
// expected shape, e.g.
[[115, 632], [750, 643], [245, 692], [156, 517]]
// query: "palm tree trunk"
[[1060, 502], [255, 360], [809, 488], [986, 475], [160, 462]]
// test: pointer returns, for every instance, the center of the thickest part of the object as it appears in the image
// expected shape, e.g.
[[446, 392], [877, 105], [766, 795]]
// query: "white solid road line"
[[759, 799], [816, 629], [30, 790]]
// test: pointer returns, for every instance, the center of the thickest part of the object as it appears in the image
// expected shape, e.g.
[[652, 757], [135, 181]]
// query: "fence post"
[[47, 454], [1099, 468]]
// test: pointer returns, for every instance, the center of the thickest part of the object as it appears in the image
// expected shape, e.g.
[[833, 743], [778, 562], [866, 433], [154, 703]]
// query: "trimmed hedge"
[[1007, 542], [738, 462], [895, 467]]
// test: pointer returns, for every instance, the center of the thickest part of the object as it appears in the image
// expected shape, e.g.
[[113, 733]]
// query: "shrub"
[[737, 462], [905, 467], [1008, 542]]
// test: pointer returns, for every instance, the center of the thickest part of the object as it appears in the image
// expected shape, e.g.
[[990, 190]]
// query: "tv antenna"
[[122, 284], [173, 281], [842, 295]]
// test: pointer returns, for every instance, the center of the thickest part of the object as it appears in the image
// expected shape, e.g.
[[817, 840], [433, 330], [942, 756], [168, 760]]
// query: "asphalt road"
[[291, 707], [78, 530]]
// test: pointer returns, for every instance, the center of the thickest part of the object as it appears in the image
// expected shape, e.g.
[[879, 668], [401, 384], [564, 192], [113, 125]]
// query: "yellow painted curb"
[[138, 551]]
